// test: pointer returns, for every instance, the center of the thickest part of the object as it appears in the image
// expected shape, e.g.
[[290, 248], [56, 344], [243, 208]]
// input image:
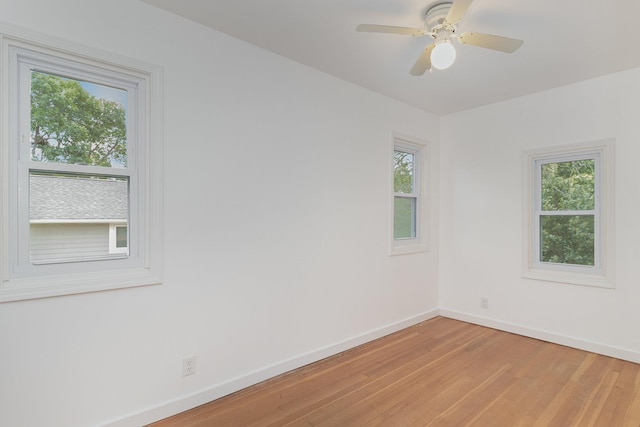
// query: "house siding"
[[69, 242], [70, 217]]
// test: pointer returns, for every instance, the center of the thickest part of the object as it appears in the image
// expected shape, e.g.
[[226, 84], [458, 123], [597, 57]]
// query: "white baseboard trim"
[[217, 391], [594, 347]]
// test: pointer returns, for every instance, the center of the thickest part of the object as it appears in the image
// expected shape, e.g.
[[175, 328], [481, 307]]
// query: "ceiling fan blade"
[[458, 8], [423, 63], [489, 41], [372, 28]]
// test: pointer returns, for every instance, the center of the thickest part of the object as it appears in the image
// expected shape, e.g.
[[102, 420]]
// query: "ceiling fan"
[[440, 24]]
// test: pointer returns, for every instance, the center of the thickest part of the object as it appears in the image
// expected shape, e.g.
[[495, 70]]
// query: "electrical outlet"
[[188, 366], [484, 303]]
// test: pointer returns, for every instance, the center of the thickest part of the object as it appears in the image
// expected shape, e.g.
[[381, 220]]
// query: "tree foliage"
[[403, 172], [568, 238], [69, 125], [568, 185]]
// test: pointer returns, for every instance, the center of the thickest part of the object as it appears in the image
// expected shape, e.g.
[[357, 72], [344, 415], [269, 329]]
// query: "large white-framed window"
[[82, 156], [568, 203], [409, 217]]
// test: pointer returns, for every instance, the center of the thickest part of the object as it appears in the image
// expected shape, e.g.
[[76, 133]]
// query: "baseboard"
[[217, 391], [594, 347]]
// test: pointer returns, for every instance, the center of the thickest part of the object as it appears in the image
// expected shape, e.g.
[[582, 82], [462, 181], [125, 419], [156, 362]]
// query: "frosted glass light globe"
[[443, 55]]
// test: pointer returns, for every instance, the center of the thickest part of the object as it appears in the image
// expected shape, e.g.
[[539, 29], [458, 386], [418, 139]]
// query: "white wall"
[[481, 211], [276, 231]]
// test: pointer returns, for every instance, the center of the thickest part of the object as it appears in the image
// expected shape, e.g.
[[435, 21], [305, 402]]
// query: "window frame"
[[420, 150], [22, 51], [601, 274]]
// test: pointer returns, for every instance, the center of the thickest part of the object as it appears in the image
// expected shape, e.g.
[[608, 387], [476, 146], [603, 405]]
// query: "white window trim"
[[420, 149], [144, 268], [602, 274]]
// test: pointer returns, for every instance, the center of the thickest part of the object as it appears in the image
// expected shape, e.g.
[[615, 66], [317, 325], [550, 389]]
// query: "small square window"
[[121, 236]]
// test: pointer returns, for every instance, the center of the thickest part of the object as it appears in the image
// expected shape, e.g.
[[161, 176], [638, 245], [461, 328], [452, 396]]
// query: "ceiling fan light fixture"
[[440, 23], [443, 54]]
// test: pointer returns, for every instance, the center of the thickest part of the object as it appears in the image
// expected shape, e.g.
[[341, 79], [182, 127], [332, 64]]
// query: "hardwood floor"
[[441, 372]]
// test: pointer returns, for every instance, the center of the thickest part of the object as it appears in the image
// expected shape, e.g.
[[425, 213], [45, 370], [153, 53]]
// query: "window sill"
[[407, 249], [67, 284], [594, 280]]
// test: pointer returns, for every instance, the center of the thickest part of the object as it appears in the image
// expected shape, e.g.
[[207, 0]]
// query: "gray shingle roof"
[[77, 198]]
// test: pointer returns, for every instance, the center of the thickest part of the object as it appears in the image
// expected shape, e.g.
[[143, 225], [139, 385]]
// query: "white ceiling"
[[565, 41]]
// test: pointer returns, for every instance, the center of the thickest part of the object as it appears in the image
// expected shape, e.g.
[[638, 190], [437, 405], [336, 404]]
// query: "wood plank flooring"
[[441, 372]]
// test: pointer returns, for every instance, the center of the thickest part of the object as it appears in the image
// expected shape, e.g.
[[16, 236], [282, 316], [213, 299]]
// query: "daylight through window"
[[408, 199], [79, 166], [567, 212], [570, 228], [74, 122], [405, 196]]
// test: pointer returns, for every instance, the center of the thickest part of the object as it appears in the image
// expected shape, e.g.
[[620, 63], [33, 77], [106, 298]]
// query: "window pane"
[[121, 237], [404, 218], [70, 216], [403, 172], [568, 185], [567, 239], [77, 122]]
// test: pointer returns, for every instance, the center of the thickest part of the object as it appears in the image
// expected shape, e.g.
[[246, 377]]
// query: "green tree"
[[402, 172], [568, 186], [69, 125]]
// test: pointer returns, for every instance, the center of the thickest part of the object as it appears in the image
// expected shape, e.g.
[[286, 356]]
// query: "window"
[[83, 157], [118, 239], [405, 196], [570, 227], [409, 219]]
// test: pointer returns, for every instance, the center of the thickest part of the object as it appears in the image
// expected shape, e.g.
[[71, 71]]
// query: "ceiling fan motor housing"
[[436, 16]]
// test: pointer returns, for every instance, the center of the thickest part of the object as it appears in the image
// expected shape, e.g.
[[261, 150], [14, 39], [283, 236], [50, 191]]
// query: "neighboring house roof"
[[70, 198]]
